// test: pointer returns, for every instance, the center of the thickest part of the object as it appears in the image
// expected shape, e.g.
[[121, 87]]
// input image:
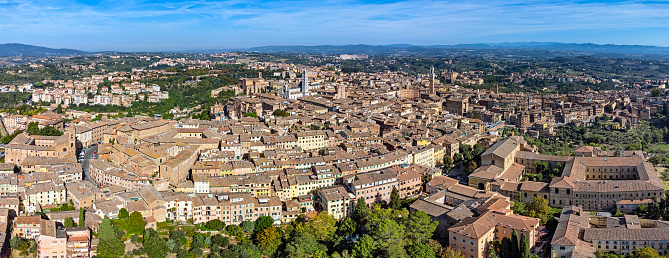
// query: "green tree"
[[518, 208], [656, 92], [364, 248], [389, 233], [420, 227], [250, 114], [515, 244], [18, 243], [109, 246], [448, 163], [420, 250], [466, 151], [395, 199], [220, 241], [268, 240], [248, 226], [471, 166], [645, 252], [68, 222], [457, 157], [123, 213], [539, 209], [477, 150], [8, 138], [302, 244], [155, 246], [506, 249], [347, 227], [264, 222], [215, 224], [618, 213], [135, 223], [524, 247], [361, 210], [81, 217], [323, 226], [59, 109]]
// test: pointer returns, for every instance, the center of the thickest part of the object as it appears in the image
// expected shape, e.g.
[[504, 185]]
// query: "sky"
[[132, 25]]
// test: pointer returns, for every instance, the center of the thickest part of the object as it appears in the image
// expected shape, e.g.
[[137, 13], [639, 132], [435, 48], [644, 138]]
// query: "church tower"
[[305, 82], [431, 88]]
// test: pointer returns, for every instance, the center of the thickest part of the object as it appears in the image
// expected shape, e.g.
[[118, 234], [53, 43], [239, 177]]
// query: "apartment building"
[[49, 193], [27, 226], [373, 187], [310, 140], [178, 168], [336, 201], [472, 237]]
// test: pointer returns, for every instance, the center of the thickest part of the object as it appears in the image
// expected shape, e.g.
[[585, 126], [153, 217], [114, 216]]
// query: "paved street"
[[88, 155]]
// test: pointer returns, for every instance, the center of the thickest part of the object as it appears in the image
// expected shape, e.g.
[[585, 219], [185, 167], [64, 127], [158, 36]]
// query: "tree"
[[466, 151], [506, 250], [618, 213], [364, 248], [68, 222], [471, 166], [518, 208], [347, 227], [8, 138], [250, 114], [524, 247], [457, 157], [450, 252], [248, 226], [81, 217], [215, 224], [268, 240], [155, 246], [123, 214], [323, 226], [135, 223], [18, 243], [420, 250], [301, 244], [477, 150], [395, 199], [420, 227], [389, 233], [233, 230], [539, 209], [515, 244], [220, 241], [264, 222], [448, 162], [656, 92], [645, 252], [109, 246], [361, 210]]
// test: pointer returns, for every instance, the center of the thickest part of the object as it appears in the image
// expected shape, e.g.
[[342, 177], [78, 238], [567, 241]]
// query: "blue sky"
[[133, 25]]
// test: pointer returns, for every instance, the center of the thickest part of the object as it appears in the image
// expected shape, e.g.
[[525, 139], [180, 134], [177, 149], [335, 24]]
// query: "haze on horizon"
[[134, 25]]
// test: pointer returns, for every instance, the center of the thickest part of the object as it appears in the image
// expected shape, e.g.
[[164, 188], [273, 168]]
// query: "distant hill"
[[15, 49], [520, 49]]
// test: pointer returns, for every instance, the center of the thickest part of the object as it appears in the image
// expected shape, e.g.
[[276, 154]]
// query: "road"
[[88, 155]]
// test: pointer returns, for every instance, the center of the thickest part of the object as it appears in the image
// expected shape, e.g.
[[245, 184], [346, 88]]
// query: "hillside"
[[15, 49]]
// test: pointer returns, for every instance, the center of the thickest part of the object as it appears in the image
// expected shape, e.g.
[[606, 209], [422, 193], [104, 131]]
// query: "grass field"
[[661, 147], [665, 183]]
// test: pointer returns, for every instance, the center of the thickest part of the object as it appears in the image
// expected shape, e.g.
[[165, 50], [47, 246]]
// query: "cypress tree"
[[524, 246], [505, 249], [81, 218], [515, 252]]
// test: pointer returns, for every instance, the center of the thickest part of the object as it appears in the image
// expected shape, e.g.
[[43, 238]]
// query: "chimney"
[[260, 75]]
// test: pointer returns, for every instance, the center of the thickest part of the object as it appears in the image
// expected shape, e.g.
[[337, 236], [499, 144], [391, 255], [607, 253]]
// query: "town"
[[244, 155]]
